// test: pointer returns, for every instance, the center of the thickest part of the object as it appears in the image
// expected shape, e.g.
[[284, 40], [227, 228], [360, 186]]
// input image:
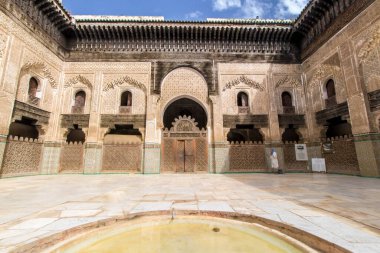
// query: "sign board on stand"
[[301, 152], [318, 164]]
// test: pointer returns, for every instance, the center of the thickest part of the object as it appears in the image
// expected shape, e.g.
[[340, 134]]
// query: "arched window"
[[330, 93], [242, 98], [79, 102], [32, 91], [126, 102], [80, 99], [126, 99], [286, 99], [287, 104], [243, 102], [330, 88]]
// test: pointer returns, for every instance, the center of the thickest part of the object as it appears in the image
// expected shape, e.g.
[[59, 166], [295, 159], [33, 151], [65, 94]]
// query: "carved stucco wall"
[[74, 83], [27, 57], [115, 84], [4, 37], [367, 45], [291, 83], [184, 81], [249, 78], [317, 78]]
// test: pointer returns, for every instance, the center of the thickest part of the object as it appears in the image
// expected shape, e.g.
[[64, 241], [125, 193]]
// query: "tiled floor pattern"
[[342, 209]]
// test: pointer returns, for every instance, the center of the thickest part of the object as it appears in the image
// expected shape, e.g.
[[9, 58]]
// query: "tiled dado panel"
[[152, 158]]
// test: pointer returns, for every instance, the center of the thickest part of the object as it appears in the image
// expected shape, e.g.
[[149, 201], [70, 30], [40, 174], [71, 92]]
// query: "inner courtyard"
[[271, 121]]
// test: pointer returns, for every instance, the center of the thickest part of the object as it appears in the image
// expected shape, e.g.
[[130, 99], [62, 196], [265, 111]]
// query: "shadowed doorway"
[[184, 146]]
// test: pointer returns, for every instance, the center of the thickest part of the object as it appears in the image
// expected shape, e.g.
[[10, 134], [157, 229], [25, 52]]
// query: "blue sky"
[[189, 9]]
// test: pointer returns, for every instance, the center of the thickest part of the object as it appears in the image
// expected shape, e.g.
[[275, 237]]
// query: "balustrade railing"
[[125, 109], [330, 102], [243, 109], [289, 109], [77, 109]]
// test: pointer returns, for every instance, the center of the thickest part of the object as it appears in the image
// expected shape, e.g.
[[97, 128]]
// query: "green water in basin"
[[184, 236]]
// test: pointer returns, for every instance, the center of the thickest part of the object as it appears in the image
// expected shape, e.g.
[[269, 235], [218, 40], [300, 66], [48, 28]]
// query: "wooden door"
[[189, 156], [181, 156]]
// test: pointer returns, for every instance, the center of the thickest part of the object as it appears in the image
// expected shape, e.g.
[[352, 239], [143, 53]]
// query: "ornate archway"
[[184, 145]]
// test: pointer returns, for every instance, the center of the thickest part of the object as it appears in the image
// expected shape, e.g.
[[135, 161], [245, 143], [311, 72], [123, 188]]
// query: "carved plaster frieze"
[[370, 45], [184, 124], [125, 79], [33, 45], [289, 82], [324, 71], [3, 44], [78, 79], [245, 80], [40, 66]]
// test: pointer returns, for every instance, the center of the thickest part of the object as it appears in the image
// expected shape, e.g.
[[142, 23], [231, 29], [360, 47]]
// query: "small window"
[[286, 99], [126, 99], [33, 87], [330, 99], [330, 88], [242, 99], [80, 99]]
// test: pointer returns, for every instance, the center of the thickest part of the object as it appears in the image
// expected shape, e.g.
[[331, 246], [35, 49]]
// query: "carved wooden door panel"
[[189, 156], [184, 147], [180, 156]]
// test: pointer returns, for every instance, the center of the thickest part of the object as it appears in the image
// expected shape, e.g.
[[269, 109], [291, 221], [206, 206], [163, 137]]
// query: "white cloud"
[[290, 7], [255, 8], [221, 5], [193, 15]]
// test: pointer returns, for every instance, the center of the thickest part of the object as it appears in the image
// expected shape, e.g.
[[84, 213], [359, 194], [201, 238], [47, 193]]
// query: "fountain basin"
[[183, 234]]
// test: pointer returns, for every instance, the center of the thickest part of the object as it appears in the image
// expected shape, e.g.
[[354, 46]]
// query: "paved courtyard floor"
[[341, 209]]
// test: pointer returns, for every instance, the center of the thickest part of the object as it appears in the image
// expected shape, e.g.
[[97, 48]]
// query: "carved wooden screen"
[[247, 156], [72, 158], [184, 147], [122, 157], [22, 157], [343, 159]]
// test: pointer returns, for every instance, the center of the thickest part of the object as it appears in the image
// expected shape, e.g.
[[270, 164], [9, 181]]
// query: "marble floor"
[[341, 209]]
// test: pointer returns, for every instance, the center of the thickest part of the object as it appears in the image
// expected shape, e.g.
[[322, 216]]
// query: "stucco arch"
[[193, 99], [184, 81]]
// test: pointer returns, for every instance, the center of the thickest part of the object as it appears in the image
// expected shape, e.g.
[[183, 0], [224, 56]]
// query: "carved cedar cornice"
[[370, 45], [78, 79], [122, 80], [243, 79], [289, 82], [40, 66], [322, 72]]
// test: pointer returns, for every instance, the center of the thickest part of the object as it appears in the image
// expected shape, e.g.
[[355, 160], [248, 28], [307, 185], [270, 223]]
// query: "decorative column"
[[52, 145], [273, 141], [367, 142], [93, 149], [218, 148], [152, 141], [313, 142]]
